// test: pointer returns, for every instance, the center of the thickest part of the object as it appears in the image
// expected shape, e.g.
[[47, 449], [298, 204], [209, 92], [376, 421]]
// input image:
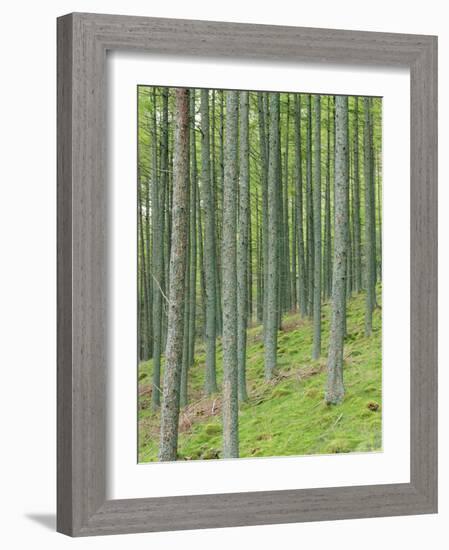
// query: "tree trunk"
[[272, 276], [378, 171], [335, 389], [230, 378], [201, 260], [373, 201], [209, 247], [249, 263], [143, 311], [294, 252], [316, 351], [356, 204], [369, 268], [173, 351], [349, 273], [165, 209], [309, 211], [183, 394], [259, 262], [327, 253], [285, 221], [149, 278], [157, 268], [217, 236], [263, 147], [193, 231], [302, 286], [281, 227], [242, 246]]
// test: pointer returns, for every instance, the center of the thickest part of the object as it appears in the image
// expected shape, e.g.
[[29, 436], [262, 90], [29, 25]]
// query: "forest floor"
[[286, 416]]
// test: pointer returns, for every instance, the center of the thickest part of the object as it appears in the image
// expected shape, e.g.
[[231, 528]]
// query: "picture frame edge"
[[82, 508]]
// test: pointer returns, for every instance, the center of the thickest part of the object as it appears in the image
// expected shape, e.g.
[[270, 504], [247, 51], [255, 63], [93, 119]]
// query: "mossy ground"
[[286, 416]]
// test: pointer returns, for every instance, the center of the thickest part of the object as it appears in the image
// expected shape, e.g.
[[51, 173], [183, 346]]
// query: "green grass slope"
[[286, 416]]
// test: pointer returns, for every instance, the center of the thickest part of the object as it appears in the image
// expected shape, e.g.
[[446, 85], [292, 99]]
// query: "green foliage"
[[286, 416]]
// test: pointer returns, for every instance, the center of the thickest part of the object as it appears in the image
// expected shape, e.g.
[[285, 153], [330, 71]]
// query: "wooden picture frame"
[[83, 40]]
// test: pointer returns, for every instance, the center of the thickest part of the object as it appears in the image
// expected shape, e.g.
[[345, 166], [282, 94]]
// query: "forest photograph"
[[259, 274]]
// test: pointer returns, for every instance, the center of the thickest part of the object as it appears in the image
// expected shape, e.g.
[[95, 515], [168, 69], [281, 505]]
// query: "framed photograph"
[[247, 274]]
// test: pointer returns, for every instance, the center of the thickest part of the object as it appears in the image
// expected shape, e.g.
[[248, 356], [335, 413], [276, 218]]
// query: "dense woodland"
[[254, 208]]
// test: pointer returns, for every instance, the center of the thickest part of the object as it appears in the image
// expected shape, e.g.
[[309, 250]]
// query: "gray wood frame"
[[83, 40]]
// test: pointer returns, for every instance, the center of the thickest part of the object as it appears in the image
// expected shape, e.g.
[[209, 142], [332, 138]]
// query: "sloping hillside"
[[288, 415]]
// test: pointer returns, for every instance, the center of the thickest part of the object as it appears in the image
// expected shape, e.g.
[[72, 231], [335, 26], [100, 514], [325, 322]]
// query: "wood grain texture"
[[83, 40], [64, 275]]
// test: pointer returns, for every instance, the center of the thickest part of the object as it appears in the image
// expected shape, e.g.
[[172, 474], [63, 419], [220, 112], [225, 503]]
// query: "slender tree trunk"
[[250, 263], [379, 207], [219, 217], [302, 286], [369, 282], [242, 246], [193, 231], [272, 279], [281, 228], [356, 204], [327, 263], [173, 351], [230, 378], [293, 251], [264, 191], [348, 228], [201, 261], [143, 311], [286, 221], [165, 209], [209, 246], [183, 394], [335, 388], [309, 209], [157, 270], [316, 351], [373, 201], [217, 236], [348, 223], [149, 279], [259, 312]]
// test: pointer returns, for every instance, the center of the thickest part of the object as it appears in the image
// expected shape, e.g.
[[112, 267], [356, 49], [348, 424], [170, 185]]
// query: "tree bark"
[[149, 279], [335, 388], [193, 231], [373, 200], [242, 245], [378, 172], [209, 247], [302, 286], [327, 253], [263, 148], [316, 351], [356, 203], [309, 210], [165, 208], [285, 220], [201, 260], [173, 351], [183, 394], [157, 268], [369, 268], [272, 275], [143, 311], [230, 379], [259, 260]]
